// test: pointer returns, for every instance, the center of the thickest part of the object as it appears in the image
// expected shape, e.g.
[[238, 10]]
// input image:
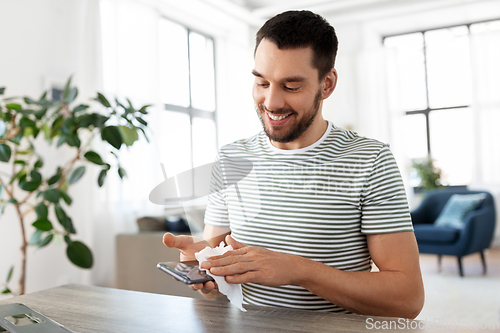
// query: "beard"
[[296, 130]]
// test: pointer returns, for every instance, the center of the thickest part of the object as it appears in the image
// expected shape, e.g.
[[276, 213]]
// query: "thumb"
[[182, 242], [236, 245]]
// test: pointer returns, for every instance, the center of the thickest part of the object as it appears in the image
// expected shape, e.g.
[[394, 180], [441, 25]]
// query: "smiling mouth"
[[277, 118]]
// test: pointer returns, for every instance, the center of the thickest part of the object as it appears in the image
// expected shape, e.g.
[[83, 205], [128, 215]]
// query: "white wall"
[[45, 42]]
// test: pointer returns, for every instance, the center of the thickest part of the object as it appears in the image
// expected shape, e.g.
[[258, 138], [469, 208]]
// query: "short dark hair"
[[300, 29]]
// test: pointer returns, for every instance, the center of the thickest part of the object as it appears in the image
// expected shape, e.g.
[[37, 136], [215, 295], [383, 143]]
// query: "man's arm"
[[396, 290]]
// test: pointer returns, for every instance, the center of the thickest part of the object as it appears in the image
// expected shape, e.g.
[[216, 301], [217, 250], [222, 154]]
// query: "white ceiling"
[[264, 9]]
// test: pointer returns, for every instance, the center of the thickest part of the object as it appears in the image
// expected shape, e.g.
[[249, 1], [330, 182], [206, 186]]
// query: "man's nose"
[[274, 99]]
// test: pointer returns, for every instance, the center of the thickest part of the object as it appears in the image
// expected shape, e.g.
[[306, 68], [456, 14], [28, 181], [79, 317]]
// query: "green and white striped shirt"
[[318, 202]]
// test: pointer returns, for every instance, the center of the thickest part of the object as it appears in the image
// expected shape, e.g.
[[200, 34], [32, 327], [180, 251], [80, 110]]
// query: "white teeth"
[[278, 117]]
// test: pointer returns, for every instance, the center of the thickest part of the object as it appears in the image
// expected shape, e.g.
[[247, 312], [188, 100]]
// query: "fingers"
[[206, 288], [236, 245], [232, 269], [242, 278], [184, 243], [178, 242]]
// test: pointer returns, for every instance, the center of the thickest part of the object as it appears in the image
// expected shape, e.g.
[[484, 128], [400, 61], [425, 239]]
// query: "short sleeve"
[[384, 206], [216, 213]]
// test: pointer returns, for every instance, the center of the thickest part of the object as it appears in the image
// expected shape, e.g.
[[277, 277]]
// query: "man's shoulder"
[[349, 140], [249, 145]]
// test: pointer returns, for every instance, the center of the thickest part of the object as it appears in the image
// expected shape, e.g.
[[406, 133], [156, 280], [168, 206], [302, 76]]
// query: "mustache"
[[282, 111]]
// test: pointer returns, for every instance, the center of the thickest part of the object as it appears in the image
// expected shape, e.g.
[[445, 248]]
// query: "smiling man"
[[322, 204]]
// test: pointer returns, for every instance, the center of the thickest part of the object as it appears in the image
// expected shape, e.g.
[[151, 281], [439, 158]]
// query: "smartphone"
[[18, 318], [185, 271]]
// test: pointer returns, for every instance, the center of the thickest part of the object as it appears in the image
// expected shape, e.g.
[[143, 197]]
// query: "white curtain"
[[485, 49], [129, 41]]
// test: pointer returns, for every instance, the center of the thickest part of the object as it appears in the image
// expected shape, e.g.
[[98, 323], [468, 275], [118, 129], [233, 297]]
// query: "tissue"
[[232, 291]]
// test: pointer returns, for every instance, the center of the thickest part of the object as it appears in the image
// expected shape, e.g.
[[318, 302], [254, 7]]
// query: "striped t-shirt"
[[318, 202]]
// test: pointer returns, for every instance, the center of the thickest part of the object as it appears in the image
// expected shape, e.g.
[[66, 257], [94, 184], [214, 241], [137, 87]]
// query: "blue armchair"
[[476, 236]]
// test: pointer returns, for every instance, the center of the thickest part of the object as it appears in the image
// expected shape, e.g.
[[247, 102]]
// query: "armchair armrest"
[[478, 231]]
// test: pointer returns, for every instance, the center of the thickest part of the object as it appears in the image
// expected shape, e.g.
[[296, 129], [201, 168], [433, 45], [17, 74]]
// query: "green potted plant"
[[24, 122], [429, 174]]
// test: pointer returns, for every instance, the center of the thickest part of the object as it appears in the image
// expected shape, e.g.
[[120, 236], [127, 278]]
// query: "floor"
[[472, 299]]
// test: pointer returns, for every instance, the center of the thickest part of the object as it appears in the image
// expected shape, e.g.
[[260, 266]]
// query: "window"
[[187, 89], [432, 76]]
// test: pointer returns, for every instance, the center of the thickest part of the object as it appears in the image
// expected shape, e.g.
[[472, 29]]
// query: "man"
[[321, 203]]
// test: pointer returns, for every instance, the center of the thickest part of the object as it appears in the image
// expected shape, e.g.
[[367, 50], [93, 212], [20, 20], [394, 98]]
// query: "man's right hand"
[[189, 245]]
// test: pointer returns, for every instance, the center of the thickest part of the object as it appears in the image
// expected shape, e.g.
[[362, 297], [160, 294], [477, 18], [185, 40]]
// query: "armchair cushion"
[[426, 233], [457, 208]]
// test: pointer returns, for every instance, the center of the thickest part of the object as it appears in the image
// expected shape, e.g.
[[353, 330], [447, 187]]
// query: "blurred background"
[[421, 75]]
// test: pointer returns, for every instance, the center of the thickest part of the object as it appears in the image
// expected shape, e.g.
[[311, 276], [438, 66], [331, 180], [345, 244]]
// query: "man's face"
[[286, 91]]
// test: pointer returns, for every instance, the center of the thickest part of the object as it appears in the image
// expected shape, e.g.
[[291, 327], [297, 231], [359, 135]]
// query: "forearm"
[[386, 293]]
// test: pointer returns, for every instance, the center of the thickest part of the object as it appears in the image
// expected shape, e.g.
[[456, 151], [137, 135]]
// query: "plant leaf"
[[74, 141], [5, 152], [29, 186], [94, 157], [46, 241], [80, 107], [62, 139], [13, 106], [38, 164], [18, 175], [79, 254], [52, 195], [99, 120], [112, 135], [65, 197], [71, 95], [67, 239], [43, 224], [143, 109], [129, 135], [54, 179], [7, 291], [35, 238], [60, 213], [9, 276], [142, 121], [122, 173], [41, 210], [102, 177], [67, 87], [28, 100], [56, 125], [101, 99], [27, 122], [76, 175], [36, 176]]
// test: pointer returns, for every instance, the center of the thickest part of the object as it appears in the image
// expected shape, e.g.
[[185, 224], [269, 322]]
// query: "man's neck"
[[310, 136]]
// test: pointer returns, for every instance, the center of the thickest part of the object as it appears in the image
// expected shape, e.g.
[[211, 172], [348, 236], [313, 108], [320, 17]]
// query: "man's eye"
[[263, 85], [292, 88]]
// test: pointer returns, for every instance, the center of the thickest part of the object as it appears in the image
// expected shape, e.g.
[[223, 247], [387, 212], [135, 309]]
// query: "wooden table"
[[96, 309]]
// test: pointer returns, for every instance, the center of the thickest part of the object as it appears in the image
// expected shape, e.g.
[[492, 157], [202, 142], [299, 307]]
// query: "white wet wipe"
[[232, 291]]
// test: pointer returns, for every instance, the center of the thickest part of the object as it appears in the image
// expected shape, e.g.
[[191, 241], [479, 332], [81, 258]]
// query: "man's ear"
[[329, 83]]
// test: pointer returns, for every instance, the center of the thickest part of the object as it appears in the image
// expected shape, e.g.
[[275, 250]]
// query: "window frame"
[[426, 112], [191, 111]]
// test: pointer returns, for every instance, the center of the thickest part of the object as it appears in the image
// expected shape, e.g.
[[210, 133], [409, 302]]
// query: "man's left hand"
[[255, 264]]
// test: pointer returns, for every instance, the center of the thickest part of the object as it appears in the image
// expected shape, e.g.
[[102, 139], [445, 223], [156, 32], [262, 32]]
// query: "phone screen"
[[185, 271]]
